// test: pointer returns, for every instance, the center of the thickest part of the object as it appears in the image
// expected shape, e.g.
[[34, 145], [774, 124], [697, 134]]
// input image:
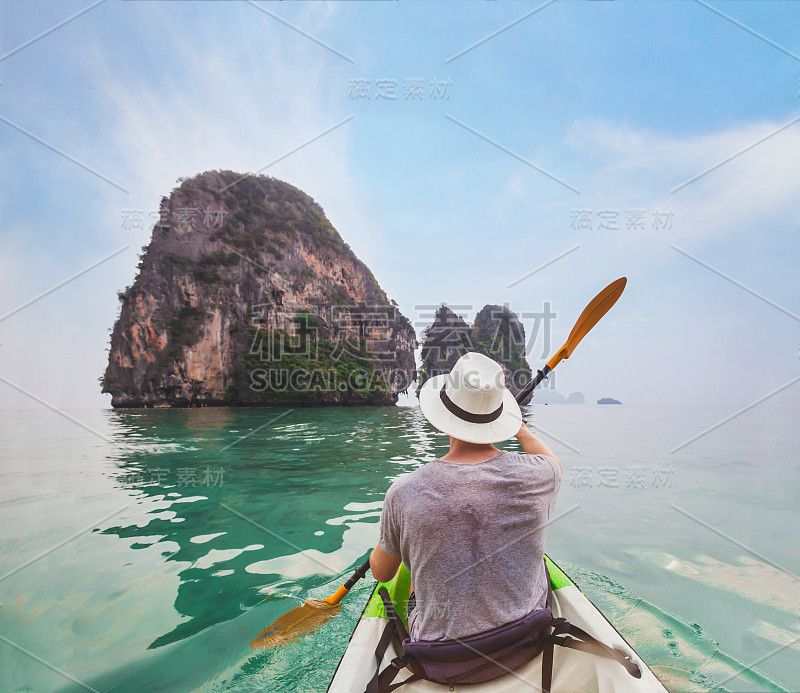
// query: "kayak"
[[573, 670]]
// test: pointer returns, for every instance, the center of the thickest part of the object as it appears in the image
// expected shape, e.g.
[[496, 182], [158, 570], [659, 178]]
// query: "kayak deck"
[[573, 670]]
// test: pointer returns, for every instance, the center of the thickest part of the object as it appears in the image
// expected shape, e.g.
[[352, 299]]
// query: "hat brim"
[[504, 427]]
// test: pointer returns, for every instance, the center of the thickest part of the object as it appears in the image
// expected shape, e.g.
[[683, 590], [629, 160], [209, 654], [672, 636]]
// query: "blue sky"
[[621, 101]]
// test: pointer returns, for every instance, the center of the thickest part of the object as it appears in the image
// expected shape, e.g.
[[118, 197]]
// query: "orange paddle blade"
[[307, 617], [592, 314], [304, 619]]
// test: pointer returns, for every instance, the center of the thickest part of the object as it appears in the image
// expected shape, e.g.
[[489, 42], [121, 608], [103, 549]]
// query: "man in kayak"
[[470, 525]]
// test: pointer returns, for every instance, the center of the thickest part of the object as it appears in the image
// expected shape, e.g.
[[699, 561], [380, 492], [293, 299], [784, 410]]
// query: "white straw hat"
[[471, 402]]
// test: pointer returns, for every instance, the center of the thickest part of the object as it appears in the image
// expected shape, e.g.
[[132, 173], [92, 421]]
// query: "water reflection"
[[283, 510]]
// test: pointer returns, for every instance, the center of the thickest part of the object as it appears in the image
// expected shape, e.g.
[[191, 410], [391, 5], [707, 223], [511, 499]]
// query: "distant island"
[[496, 332], [608, 400], [247, 295], [546, 395]]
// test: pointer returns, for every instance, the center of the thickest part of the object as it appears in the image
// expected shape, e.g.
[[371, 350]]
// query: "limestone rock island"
[[247, 295]]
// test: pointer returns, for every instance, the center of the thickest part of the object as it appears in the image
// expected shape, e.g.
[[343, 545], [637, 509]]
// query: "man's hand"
[[383, 565], [532, 445]]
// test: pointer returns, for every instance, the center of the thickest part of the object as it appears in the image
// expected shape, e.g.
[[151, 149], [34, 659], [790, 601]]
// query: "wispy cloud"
[[642, 167]]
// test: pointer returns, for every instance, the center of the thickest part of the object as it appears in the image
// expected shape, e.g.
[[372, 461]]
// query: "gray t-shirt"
[[472, 536]]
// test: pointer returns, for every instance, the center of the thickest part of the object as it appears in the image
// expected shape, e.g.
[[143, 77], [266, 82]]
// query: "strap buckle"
[[399, 663]]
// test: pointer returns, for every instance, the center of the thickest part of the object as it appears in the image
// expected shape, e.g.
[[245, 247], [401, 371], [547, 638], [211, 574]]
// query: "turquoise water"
[[116, 574]]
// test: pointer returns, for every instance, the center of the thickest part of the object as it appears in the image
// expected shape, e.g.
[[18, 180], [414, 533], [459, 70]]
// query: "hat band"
[[465, 415]]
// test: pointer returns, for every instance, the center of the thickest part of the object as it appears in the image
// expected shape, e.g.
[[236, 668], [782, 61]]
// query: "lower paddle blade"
[[302, 620]]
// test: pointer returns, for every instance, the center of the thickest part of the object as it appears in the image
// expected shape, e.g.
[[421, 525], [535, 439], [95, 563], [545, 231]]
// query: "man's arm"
[[533, 446], [384, 565]]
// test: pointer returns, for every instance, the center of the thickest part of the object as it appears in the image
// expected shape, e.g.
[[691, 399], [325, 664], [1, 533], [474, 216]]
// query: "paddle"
[[313, 613], [307, 617], [592, 314]]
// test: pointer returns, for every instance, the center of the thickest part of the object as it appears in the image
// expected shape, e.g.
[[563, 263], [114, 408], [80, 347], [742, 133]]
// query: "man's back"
[[472, 536]]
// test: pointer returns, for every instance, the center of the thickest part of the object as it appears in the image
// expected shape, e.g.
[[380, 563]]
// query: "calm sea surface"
[[145, 553]]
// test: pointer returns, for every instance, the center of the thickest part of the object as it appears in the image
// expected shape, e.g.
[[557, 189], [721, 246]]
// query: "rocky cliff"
[[496, 332], [247, 295]]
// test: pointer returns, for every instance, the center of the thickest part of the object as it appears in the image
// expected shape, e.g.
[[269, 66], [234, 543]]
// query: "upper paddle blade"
[[599, 306], [301, 620]]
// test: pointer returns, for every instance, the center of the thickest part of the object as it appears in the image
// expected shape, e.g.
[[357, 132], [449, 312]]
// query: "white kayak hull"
[[573, 670]]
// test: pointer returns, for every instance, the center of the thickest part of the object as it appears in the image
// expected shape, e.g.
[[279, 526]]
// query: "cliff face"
[[497, 332], [247, 295]]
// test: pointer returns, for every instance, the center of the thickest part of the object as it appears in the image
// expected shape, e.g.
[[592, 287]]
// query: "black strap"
[[381, 682], [559, 626], [547, 666], [380, 650], [465, 415], [587, 643], [413, 677], [568, 635], [389, 674], [391, 614]]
